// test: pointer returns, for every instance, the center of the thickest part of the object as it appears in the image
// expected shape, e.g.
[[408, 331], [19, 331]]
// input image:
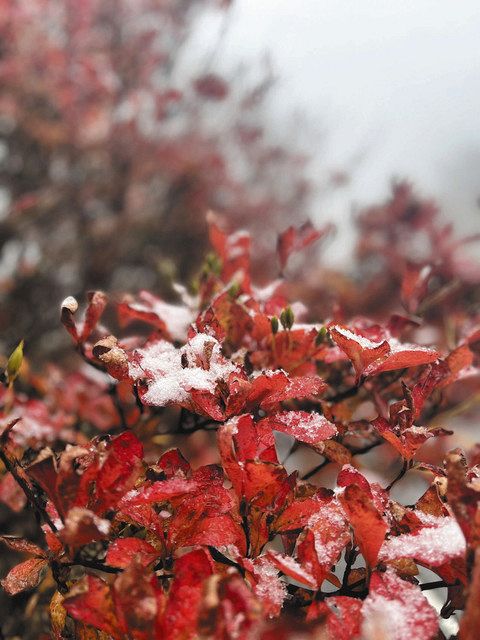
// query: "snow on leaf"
[[310, 428], [291, 568], [343, 616], [396, 610], [369, 357], [268, 587], [82, 526], [172, 375], [172, 320], [438, 541], [326, 535]]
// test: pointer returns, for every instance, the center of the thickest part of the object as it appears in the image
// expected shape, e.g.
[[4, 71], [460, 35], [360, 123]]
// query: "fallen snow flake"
[[396, 610], [438, 541]]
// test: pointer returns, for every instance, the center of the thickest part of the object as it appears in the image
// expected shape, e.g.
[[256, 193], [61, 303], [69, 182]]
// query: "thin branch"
[[403, 471], [316, 469], [438, 584], [31, 497]]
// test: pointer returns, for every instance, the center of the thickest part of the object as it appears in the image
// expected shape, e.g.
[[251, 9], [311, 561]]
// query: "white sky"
[[397, 81]]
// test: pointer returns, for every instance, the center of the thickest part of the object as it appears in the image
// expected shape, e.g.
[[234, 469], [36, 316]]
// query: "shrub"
[[236, 534]]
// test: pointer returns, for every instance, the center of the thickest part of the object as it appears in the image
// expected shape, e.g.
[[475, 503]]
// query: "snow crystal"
[[438, 542]]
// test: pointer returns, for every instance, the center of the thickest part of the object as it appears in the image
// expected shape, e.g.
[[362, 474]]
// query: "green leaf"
[[15, 362]]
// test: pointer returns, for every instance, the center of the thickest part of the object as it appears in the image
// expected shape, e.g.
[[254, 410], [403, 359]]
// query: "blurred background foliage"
[[115, 142], [111, 154]]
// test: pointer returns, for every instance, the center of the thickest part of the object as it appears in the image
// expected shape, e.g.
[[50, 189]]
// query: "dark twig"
[[31, 497], [437, 584], [316, 469], [403, 471]]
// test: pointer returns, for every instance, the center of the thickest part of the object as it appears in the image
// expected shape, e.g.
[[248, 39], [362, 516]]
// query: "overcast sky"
[[395, 80]]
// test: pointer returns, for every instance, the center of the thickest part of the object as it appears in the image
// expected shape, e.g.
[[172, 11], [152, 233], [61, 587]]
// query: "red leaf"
[[298, 513], [82, 526], [343, 616], [297, 238], [396, 610], [367, 523], [310, 428], [135, 600], [370, 358], [90, 602], [97, 301], [292, 569], [123, 550], [26, 575], [180, 619], [20, 545], [11, 493], [407, 442], [349, 475], [360, 350], [323, 541], [414, 286], [120, 470], [211, 87], [172, 320], [159, 492]]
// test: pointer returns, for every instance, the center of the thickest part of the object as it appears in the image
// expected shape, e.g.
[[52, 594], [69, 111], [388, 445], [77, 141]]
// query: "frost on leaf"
[[310, 428]]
